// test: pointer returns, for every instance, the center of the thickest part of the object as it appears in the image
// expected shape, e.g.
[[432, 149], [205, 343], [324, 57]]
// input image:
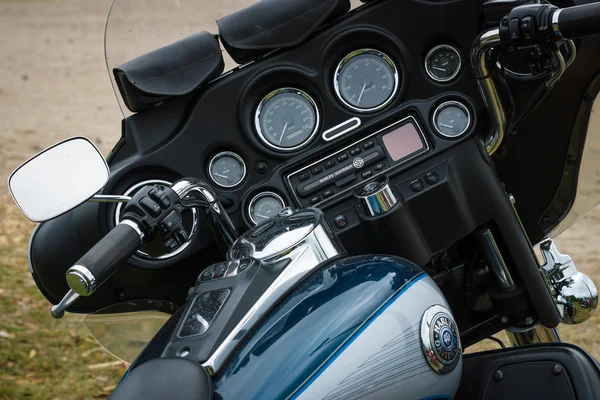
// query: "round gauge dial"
[[452, 119], [366, 80], [227, 169], [287, 119], [264, 206], [443, 63]]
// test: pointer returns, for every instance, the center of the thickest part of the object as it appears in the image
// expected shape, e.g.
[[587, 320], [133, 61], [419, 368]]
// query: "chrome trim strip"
[[270, 96], [140, 253], [555, 22], [425, 149], [233, 155], [346, 60], [444, 105], [135, 227], [345, 131], [479, 61], [259, 196], [440, 47]]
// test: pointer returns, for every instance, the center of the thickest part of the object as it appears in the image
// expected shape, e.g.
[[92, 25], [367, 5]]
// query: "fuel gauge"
[[264, 206], [452, 119]]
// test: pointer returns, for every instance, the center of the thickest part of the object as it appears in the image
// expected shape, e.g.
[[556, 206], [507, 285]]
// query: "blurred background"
[[53, 85]]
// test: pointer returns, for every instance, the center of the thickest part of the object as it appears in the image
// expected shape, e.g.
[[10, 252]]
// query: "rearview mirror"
[[58, 179]]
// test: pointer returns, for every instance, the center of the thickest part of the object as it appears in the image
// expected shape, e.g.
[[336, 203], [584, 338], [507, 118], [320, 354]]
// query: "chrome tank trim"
[[479, 61], [303, 258]]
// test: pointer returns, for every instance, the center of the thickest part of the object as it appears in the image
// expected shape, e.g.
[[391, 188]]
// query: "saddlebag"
[[544, 371], [173, 70], [274, 24]]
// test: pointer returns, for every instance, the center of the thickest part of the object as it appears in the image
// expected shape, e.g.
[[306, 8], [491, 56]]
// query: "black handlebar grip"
[[579, 21], [103, 259]]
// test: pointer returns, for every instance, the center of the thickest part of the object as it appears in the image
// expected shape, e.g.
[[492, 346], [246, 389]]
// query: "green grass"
[[42, 358]]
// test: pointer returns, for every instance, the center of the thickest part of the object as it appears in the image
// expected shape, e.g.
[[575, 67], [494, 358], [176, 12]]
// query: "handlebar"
[[102, 260], [578, 21]]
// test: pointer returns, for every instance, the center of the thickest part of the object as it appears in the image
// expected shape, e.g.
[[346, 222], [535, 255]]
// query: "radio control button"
[[303, 176], [328, 193], [342, 157], [355, 151], [315, 199], [379, 167], [329, 163], [431, 178], [316, 169], [369, 144], [367, 174]]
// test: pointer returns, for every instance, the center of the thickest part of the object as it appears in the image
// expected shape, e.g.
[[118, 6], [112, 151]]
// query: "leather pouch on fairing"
[[273, 24], [173, 70]]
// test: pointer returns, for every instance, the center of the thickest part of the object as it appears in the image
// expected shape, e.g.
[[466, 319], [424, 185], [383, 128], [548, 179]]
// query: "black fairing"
[[178, 138], [548, 371]]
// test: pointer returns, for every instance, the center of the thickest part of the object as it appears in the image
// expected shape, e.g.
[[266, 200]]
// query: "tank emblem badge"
[[440, 339]]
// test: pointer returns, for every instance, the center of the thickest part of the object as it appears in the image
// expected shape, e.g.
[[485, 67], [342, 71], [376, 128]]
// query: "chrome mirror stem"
[[103, 198]]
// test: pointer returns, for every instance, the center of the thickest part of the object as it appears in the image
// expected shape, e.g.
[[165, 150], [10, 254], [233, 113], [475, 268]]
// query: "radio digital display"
[[403, 141]]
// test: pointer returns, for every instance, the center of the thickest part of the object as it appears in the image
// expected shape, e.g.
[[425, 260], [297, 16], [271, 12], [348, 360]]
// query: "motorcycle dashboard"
[[362, 96]]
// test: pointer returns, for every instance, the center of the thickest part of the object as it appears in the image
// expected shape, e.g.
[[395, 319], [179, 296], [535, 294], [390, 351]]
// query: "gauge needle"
[[439, 69], [221, 176], [262, 216], [361, 93], [446, 126], [284, 129]]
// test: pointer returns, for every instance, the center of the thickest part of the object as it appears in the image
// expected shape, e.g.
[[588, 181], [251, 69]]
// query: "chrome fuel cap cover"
[[376, 197], [279, 234]]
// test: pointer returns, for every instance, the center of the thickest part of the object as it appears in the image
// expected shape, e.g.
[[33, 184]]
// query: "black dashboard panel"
[[180, 137]]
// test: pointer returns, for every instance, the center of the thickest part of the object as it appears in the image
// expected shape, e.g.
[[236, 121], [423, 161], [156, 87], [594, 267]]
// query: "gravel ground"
[[54, 84]]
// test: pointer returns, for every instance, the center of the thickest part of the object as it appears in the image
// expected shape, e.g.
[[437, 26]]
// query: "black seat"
[[165, 378], [543, 371]]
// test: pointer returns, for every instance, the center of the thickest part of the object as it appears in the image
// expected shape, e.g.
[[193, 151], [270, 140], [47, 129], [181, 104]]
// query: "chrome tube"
[[103, 198], [195, 193], [538, 334], [482, 68]]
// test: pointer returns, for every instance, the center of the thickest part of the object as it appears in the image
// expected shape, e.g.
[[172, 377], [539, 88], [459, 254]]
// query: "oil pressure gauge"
[[264, 206]]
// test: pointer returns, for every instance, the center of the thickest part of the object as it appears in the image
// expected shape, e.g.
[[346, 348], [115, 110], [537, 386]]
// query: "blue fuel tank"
[[368, 327]]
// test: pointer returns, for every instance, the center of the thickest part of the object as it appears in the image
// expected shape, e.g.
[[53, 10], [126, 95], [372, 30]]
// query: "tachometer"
[[366, 80], [265, 205], [287, 119]]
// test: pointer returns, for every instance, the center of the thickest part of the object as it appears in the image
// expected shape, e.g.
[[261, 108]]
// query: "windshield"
[[125, 329], [136, 27]]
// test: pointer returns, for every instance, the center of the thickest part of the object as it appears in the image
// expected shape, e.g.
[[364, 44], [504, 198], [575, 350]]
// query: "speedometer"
[[366, 80], [287, 119]]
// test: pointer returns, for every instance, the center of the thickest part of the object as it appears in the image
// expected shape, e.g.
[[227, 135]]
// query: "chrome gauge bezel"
[[346, 60], [271, 95], [230, 154], [430, 54], [442, 107], [139, 253], [258, 197]]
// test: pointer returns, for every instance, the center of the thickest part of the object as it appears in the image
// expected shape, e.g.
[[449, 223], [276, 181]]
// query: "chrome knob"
[[376, 197], [574, 293]]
